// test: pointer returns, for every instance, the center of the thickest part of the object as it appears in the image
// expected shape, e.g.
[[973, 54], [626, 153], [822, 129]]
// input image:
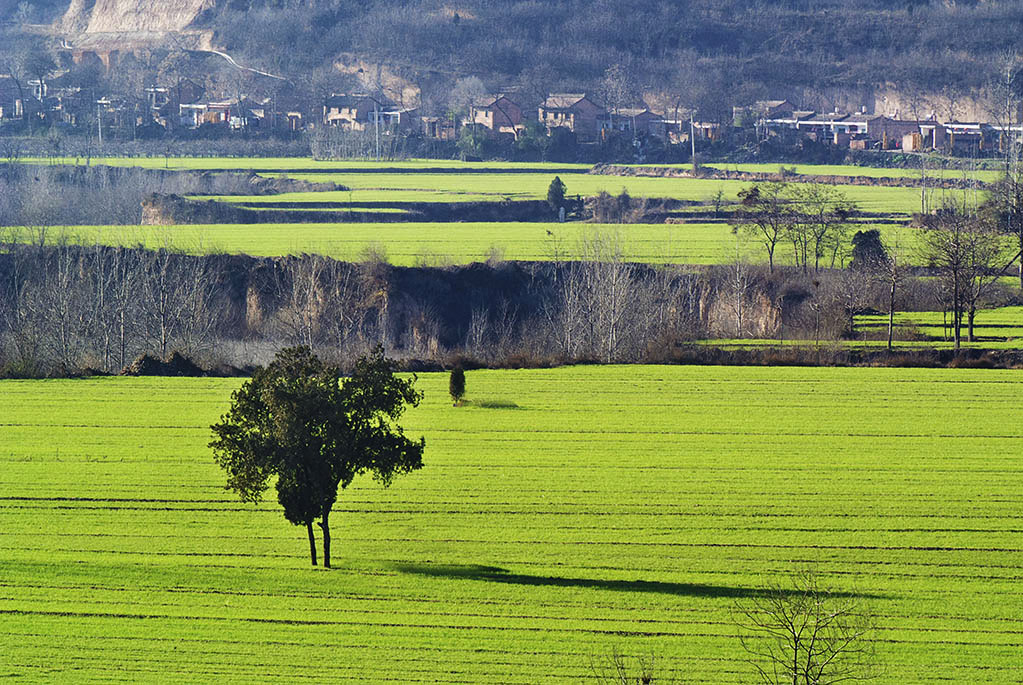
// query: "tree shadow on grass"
[[492, 404], [495, 574]]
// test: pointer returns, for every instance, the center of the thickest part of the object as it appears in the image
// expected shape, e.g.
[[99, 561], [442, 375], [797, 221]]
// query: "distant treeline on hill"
[[715, 52]]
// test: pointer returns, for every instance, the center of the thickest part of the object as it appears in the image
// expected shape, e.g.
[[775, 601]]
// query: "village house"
[[169, 105], [364, 112], [497, 113], [441, 128], [860, 130], [574, 111], [761, 110], [293, 113], [634, 120]]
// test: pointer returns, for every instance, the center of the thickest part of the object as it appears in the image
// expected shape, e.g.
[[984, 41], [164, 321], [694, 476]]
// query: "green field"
[[399, 187], [592, 508], [274, 163], [410, 243], [413, 242], [1003, 323], [1000, 328], [262, 163], [987, 175], [415, 183]]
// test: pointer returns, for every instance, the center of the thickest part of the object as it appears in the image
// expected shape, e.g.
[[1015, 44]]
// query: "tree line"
[[67, 308]]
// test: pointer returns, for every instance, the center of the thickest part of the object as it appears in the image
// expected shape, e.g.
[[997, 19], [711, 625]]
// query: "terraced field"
[[453, 187], [407, 244], [987, 175], [563, 514], [438, 244], [1004, 324], [391, 189], [294, 163]]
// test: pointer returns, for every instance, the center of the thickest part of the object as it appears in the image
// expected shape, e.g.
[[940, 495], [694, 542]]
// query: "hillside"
[[128, 16], [706, 54]]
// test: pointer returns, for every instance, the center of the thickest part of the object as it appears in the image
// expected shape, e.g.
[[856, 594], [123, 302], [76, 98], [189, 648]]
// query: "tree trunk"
[[312, 541], [891, 315], [1020, 257], [957, 313], [325, 525], [969, 320]]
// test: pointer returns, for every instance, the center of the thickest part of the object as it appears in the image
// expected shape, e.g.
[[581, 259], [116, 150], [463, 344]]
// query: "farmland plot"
[[562, 514]]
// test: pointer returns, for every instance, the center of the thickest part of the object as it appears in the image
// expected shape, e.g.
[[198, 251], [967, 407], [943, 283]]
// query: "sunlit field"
[[561, 515]]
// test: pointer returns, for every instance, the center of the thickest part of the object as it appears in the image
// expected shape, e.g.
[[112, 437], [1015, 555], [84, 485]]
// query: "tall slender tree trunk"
[[957, 313], [891, 314], [969, 322], [312, 541], [1020, 257], [325, 525]]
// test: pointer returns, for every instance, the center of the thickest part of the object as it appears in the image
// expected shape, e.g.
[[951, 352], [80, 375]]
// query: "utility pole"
[[692, 137], [376, 125], [99, 121]]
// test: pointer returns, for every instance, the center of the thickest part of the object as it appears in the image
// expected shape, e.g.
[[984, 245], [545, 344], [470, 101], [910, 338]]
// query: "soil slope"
[[132, 16]]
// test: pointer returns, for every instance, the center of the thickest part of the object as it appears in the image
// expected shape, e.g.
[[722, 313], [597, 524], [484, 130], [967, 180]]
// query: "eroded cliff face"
[[132, 16]]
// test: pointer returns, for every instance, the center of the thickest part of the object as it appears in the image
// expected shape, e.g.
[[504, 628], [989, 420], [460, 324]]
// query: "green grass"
[[987, 175], [274, 163], [416, 184], [1000, 328], [257, 163], [409, 243], [400, 187], [990, 325], [622, 507]]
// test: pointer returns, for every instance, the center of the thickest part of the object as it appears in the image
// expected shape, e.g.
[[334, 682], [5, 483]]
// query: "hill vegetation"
[[715, 53], [708, 53]]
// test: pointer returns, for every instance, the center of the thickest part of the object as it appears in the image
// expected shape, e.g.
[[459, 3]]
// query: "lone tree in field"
[[299, 421], [456, 385], [556, 194]]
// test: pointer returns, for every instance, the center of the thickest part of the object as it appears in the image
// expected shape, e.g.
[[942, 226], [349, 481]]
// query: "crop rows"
[[591, 508]]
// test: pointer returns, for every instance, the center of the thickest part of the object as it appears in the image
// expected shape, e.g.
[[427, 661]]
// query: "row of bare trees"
[[66, 307], [608, 309], [812, 217], [969, 255]]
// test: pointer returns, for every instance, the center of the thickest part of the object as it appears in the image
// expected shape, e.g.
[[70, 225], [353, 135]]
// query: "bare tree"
[[807, 634], [968, 257], [819, 223], [300, 287], [890, 269], [616, 89], [737, 289], [176, 294], [765, 214], [618, 668], [467, 92], [476, 337], [345, 304]]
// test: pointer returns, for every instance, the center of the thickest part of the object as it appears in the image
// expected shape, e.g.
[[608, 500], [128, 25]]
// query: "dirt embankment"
[[761, 177], [132, 16]]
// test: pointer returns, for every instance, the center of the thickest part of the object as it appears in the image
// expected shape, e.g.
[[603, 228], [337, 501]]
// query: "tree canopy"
[[298, 421]]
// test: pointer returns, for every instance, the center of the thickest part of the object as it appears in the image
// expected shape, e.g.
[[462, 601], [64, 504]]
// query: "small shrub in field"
[[456, 385]]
